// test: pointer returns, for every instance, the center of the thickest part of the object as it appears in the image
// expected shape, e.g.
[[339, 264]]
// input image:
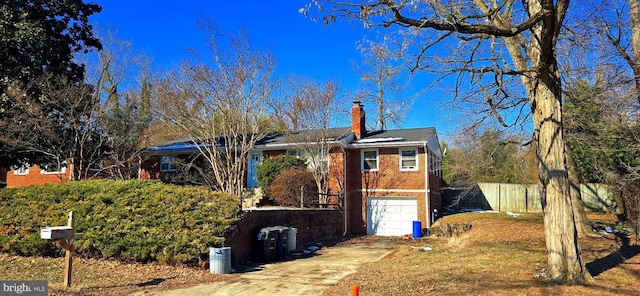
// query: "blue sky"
[[164, 29]]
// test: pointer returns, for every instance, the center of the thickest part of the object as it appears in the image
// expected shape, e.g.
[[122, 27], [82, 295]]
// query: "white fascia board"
[[388, 144], [434, 145], [292, 145]]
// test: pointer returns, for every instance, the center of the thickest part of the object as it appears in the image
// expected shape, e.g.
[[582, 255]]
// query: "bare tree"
[[121, 80], [603, 98], [311, 109], [219, 104], [487, 33], [491, 155], [380, 69], [60, 125], [618, 22]]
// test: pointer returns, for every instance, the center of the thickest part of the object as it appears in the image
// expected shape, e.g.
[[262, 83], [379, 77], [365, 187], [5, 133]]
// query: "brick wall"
[[314, 225], [35, 177], [388, 181]]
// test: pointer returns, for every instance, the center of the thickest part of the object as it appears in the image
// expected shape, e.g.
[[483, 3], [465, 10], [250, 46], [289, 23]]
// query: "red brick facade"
[[387, 181], [34, 177], [314, 225]]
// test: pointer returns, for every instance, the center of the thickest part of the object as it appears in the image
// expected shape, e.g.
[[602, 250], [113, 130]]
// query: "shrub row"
[[137, 220]]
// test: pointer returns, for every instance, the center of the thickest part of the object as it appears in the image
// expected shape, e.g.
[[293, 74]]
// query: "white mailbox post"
[[64, 235]]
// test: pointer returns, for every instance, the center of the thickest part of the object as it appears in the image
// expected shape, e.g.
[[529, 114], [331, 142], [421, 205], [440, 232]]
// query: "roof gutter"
[[386, 144]]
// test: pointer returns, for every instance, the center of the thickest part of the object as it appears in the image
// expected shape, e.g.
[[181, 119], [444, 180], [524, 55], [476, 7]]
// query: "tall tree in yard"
[[59, 127], [123, 89], [219, 104], [310, 108], [380, 69], [39, 38], [617, 24], [487, 33]]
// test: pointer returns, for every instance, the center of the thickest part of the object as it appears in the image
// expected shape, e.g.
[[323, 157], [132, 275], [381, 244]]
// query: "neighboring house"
[[390, 178], [34, 175], [28, 175]]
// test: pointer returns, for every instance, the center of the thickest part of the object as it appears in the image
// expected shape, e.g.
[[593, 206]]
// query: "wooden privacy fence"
[[522, 197]]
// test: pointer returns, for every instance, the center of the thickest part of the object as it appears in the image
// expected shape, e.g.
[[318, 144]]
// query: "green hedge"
[[137, 220], [271, 168]]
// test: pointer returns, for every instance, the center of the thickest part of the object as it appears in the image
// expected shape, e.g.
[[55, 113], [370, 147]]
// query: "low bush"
[[286, 188], [137, 220], [271, 168]]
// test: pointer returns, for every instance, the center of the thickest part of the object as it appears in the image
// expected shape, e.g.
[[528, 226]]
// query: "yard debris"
[[408, 236], [423, 249], [448, 230], [609, 230], [540, 275], [515, 215]]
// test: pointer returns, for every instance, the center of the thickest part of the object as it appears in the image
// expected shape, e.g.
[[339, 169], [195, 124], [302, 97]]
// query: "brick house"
[[33, 175], [390, 178]]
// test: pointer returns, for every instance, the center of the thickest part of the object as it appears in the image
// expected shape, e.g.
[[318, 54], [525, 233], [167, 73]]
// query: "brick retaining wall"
[[313, 225]]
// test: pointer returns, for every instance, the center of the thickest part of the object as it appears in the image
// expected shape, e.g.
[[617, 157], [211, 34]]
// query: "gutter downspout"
[[427, 190], [344, 187], [343, 144]]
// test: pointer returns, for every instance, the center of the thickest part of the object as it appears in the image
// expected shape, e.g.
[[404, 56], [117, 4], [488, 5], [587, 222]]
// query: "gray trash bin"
[[220, 260], [291, 239]]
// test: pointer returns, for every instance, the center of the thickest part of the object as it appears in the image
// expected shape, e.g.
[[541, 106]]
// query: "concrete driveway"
[[306, 276]]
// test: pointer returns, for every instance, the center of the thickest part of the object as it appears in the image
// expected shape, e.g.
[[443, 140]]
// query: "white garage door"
[[391, 215]]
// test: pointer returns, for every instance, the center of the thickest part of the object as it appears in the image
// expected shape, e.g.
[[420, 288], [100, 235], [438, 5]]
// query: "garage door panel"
[[391, 216]]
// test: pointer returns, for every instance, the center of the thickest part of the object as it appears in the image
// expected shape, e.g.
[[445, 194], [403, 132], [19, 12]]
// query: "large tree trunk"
[[564, 260]]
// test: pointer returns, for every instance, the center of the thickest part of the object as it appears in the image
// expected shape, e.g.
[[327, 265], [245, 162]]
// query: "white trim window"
[[408, 159], [54, 169], [369, 160], [168, 163], [22, 170]]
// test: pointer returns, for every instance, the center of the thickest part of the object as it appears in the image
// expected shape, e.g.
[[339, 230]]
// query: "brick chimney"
[[357, 119]]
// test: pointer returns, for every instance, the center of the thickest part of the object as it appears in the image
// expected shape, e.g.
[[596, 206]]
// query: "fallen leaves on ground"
[[103, 277]]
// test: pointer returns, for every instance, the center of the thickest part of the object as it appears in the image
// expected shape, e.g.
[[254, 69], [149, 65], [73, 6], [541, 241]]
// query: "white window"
[[22, 170], [53, 169], [168, 163], [408, 159], [369, 160]]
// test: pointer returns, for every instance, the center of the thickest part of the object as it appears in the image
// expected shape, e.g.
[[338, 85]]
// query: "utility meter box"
[[57, 232]]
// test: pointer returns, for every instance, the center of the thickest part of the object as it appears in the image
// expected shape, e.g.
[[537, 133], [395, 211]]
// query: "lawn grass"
[[500, 255]]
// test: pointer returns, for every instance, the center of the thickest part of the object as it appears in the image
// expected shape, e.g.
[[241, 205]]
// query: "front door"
[[252, 172]]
